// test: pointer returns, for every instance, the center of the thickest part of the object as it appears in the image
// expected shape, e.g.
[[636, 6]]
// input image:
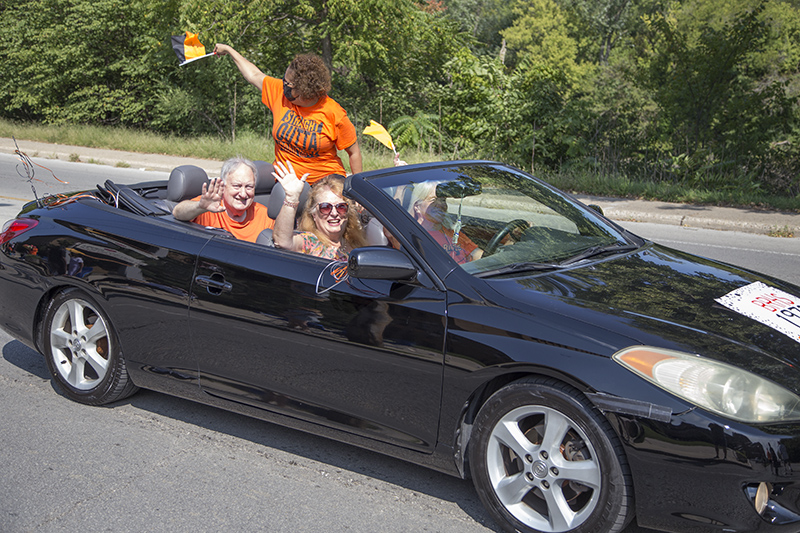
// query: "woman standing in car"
[[308, 126]]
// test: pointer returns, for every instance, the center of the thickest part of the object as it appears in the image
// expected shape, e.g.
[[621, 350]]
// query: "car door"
[[363, 357]]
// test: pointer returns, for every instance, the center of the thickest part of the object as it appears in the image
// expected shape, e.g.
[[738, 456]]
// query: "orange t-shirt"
[[308, 136], [248, 229]]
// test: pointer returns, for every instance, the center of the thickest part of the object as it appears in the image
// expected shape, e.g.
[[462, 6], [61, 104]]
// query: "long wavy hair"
[[354, 233]]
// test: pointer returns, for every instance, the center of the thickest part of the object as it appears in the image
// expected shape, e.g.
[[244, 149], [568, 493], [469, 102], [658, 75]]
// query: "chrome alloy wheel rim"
[[79, 344], [543, 469]]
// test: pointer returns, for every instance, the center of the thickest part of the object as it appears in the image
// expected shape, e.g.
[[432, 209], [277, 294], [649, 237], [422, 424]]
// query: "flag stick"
[[195, 59]]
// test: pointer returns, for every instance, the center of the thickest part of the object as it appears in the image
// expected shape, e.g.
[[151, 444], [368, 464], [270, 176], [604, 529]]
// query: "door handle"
[[214, 284]]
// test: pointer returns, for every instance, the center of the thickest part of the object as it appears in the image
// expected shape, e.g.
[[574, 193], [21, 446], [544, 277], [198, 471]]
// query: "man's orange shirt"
[[248, 229], [308, 136]]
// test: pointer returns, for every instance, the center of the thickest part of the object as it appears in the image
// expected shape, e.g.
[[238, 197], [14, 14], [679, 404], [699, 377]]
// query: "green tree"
[[719, 107], [81, 61], [545, 33], [419, 130], [489, 112], [483, 20]]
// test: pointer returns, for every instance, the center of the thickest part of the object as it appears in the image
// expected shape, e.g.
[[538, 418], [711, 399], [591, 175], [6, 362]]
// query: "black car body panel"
[[404, 366]]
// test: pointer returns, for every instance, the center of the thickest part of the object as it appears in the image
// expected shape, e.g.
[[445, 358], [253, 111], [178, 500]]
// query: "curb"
[[746, 220], [103, 156]]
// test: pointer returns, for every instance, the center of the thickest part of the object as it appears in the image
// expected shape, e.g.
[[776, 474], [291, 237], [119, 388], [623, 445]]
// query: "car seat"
[[274, 205], [185, 182], [265, 181]]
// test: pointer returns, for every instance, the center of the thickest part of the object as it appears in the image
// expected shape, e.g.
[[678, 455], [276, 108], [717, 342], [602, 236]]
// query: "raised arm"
[[283, 233], [210, 200], [250, 72]]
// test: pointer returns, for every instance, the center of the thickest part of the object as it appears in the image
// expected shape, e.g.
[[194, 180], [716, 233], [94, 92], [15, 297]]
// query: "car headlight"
[[719, 387]]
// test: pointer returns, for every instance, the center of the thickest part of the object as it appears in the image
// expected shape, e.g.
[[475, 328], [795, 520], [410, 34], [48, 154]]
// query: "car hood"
[[662, 297]]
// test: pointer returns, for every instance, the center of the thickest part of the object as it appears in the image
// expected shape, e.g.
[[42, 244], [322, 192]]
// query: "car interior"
[[186, 181]]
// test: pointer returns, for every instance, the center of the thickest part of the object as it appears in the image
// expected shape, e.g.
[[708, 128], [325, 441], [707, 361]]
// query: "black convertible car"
[[578, 374]]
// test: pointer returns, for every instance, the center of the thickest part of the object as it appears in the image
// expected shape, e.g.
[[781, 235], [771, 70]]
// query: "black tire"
[[543, 459], [82, 351]]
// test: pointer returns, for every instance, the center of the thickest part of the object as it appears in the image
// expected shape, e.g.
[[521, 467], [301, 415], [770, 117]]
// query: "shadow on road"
[[26, 359], [328, 452]]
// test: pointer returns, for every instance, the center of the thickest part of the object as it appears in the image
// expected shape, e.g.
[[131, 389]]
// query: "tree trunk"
[[327, 51], [233, 115]]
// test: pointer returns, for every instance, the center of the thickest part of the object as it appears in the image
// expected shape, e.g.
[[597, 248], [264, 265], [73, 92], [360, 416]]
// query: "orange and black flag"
[[189, 48]]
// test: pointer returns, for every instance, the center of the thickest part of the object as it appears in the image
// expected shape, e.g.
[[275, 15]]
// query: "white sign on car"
[[773, 307]]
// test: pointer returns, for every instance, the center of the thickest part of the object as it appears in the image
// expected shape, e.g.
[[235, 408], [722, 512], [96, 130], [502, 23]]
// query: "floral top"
[[313, 246]]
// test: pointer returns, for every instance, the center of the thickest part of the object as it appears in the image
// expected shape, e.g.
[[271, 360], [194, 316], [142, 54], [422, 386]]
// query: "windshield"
[[494, 220]]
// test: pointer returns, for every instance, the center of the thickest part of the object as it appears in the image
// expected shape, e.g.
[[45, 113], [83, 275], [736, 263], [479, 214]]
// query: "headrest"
[[279, 195], [185, 182], [374, 233], [265, 238], [264, 180]]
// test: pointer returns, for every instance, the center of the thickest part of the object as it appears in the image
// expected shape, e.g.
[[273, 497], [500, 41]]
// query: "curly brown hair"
[[354, 232], [312, 79]]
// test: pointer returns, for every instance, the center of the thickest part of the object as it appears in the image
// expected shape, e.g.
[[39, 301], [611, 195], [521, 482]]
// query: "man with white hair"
[[227, 202]]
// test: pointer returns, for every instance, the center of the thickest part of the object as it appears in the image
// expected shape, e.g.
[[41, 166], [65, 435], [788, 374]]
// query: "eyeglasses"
[[287, 84], [325, 208], [431, 200]]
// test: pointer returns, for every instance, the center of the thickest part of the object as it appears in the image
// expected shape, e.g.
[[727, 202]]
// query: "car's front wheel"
[[543, 459], [82, 351]]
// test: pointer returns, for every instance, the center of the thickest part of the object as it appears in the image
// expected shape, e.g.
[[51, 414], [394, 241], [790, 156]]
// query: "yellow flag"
[[380, 133]]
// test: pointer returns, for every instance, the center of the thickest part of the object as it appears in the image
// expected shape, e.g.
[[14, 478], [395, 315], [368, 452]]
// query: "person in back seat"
[[330, 226], [227, 202]]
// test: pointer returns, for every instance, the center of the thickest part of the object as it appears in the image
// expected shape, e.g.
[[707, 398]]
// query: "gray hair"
[[421, 191], [235, 162]]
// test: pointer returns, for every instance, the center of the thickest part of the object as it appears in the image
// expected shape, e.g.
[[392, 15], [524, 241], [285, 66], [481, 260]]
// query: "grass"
[[205, 147], [247, 144], [623, 187], [375, 155], [784, 231]]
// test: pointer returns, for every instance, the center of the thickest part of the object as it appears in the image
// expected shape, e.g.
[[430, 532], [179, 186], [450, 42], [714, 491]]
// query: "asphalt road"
[[157, 463], [776, 256], [16, 189]]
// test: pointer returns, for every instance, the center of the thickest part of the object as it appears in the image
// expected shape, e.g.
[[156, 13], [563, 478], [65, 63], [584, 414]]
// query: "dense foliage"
[[697, 92]]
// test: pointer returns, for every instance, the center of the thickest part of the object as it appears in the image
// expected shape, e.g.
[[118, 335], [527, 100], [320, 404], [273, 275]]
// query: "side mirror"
[[459, 188], [380, 262], [597, 208]]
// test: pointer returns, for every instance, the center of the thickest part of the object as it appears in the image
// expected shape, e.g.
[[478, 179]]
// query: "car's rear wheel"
[[543, 459], [82, 350]]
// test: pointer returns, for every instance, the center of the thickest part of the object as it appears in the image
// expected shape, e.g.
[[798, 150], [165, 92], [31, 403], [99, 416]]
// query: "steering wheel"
[[491, 246]]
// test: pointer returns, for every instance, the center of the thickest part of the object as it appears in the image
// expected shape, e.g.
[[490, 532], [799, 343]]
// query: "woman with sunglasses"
[[330, 225], [308, 125]]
